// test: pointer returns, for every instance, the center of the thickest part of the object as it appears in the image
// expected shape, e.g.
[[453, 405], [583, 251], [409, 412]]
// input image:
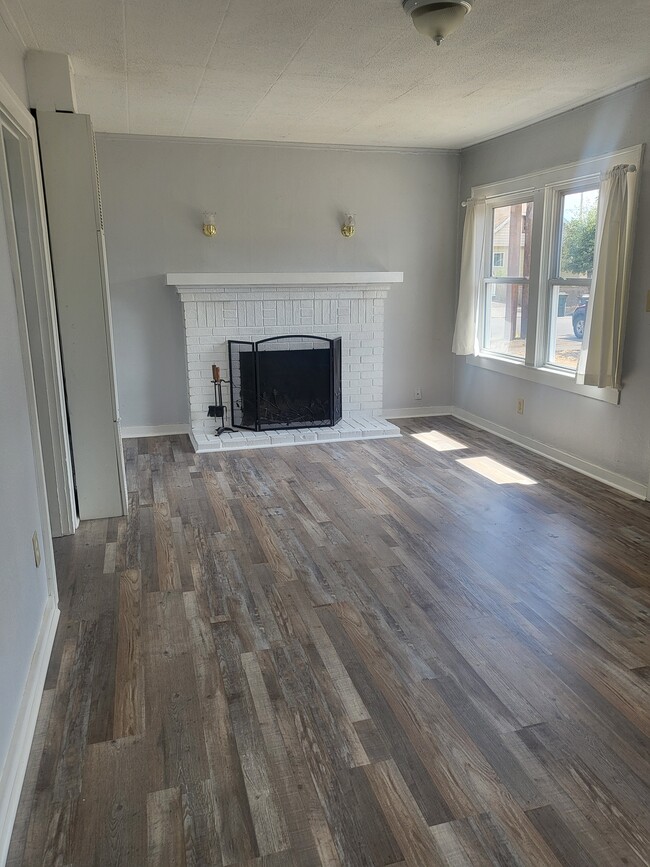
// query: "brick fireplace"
[[222, 307]]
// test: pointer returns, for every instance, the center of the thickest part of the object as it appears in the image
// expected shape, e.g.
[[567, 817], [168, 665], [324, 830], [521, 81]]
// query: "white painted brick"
[[249, 313]]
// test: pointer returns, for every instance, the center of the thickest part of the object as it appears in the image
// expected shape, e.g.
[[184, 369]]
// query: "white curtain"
[[602, 345], [471, 277]]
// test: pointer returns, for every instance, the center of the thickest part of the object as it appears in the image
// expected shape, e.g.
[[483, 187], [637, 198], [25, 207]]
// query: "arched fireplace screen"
[[293, 381]]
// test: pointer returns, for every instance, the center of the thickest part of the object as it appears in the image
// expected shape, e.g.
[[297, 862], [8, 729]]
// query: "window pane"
[[568, 312], [579, 212], [506, 314], [511, 240]]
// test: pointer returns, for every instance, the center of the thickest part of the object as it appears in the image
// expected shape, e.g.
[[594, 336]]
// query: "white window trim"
[[553, 377], [543, 189]]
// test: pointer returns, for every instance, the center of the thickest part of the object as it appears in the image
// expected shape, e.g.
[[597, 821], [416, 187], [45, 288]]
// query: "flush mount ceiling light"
[[437, 19]]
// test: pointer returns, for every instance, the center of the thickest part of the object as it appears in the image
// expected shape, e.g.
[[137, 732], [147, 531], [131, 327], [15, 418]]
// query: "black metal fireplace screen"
[[293, 381]]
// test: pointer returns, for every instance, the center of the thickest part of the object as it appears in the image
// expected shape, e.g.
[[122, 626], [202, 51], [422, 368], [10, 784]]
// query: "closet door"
[[83, 305]]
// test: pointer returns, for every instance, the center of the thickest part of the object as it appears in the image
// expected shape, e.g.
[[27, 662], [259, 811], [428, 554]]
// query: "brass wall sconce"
[[209, 224], [349, 226]]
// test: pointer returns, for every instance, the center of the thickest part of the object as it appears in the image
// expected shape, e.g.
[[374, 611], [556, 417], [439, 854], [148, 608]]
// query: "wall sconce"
[[349, 227], [209, 224]]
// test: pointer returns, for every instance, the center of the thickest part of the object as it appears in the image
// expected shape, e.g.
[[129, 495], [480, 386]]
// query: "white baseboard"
[[13, 772], [614, 480], [160, 430], [416, 411]]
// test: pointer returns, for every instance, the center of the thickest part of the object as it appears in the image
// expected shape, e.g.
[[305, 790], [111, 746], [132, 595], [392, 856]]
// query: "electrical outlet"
[[520, 406], [417, 393], [37, 549]]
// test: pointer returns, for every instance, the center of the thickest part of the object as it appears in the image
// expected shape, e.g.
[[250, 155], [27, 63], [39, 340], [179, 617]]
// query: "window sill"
[[544, 376]]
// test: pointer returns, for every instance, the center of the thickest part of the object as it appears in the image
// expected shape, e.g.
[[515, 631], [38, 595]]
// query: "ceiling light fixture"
[[437, 19]]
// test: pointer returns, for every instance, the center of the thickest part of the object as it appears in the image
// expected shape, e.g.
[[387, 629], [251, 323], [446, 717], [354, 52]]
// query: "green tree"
[[578, 241]]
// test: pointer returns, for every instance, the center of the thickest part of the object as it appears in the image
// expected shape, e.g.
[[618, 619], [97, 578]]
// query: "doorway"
[[21, 188]]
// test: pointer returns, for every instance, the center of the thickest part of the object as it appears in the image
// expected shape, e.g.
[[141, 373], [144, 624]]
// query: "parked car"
[[579, 316]]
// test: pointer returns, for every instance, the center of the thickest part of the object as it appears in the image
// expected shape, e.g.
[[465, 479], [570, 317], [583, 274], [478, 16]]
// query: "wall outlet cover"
[[520, 406], [417, 393]]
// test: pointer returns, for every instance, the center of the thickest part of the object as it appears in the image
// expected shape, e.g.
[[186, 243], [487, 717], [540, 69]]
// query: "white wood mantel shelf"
[[295, 279]]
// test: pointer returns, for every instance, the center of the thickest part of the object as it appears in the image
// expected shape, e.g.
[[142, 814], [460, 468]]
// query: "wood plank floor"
[[426, 651]]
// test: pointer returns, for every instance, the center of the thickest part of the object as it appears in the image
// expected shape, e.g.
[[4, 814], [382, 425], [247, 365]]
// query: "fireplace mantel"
[[293, 280]]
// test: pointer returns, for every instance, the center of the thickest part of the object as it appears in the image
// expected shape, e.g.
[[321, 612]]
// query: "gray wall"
[[279, 209], [613, 437]]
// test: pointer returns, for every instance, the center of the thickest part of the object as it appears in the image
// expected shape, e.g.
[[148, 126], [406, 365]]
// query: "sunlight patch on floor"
[[496, 472], [438, 441]]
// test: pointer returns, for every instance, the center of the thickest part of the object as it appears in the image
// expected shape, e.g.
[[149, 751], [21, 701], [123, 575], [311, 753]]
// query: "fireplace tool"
[[219, 409]]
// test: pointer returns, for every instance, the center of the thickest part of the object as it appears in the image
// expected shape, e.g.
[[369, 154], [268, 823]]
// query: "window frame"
[[545, 189]]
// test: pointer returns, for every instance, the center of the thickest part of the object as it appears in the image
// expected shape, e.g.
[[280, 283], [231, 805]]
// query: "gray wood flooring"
[[365, 653]]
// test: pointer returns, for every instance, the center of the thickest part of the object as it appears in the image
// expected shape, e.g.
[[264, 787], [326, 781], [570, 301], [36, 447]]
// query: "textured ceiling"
[[334, 71]]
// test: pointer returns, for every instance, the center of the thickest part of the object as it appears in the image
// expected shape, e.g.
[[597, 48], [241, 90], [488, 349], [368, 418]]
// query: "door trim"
[[43, 334]]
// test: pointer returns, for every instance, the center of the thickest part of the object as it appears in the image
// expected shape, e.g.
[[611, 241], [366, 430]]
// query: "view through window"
[[506, 287]]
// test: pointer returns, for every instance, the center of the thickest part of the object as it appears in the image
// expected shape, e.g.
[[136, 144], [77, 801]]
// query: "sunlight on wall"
[[438, 441], [495, 471]]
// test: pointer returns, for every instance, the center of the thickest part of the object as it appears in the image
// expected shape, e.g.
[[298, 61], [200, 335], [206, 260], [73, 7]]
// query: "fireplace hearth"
[[288, 382]]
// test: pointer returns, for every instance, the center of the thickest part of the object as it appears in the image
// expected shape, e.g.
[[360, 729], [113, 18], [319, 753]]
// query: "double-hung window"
[[538, 250]]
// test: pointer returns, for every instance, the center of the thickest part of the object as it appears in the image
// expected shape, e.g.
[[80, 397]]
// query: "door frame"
[[42, 327]]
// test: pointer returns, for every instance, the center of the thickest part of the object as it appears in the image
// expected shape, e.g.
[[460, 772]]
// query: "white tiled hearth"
[[222, 307]]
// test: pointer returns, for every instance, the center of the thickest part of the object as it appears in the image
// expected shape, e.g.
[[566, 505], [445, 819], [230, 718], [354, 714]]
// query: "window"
[[505, 301], [538, 248]]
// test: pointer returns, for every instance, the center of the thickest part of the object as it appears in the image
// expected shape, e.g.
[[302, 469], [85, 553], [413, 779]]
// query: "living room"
[[325, 472]]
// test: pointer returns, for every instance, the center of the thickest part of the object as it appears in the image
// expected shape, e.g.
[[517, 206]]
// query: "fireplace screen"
[[285, 382]]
